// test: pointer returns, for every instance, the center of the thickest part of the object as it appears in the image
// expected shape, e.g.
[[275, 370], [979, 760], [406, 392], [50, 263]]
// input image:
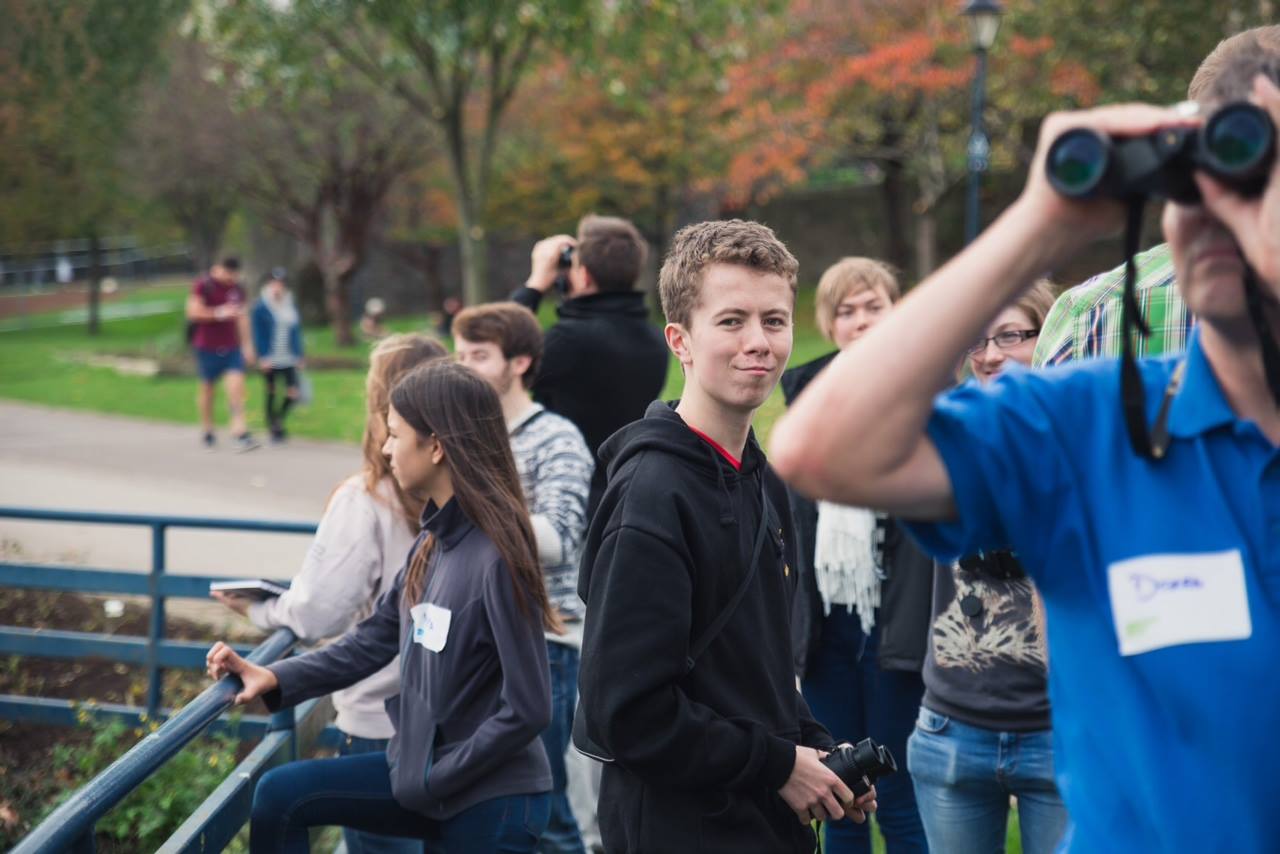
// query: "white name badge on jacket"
[[430, 625], [1174, 599]]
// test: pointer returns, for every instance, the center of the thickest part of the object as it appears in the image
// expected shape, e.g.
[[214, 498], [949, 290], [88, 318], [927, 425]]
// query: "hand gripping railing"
[[70, 827]]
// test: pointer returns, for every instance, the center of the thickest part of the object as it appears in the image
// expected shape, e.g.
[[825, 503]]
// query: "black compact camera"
[[1236, 145], [563, 263], [859, 765]]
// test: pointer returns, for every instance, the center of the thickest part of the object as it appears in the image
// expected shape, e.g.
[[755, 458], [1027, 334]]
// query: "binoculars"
[[859, 765], [1236, 145]]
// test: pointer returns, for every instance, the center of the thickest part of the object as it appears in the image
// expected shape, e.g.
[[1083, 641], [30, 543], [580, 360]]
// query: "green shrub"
[[148, 816]]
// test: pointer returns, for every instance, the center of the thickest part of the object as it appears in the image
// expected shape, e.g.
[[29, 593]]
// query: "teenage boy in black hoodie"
[[719, 753], [603, 362]]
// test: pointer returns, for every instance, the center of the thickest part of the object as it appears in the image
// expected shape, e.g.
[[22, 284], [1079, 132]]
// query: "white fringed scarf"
[[844, 560]]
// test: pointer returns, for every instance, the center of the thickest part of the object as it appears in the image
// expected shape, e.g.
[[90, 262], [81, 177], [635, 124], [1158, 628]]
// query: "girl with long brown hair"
[[466, 769], [370, 523]]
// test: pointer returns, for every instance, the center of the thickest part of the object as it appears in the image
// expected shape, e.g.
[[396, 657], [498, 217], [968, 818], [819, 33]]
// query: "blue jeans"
[[964, 776], [562, 835], [358, 841], [852, 697], [355, 791]]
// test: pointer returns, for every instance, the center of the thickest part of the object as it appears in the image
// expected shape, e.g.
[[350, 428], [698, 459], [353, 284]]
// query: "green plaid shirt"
[[1085, 321]]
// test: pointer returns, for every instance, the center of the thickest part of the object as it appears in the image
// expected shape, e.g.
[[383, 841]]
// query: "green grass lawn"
[[46, 364]]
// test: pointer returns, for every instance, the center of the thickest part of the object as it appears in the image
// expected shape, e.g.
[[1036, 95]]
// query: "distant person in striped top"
[[277, 335], [502, 342]]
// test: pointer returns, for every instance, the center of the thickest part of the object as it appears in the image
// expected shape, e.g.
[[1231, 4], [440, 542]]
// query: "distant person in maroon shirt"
[[219, 324]]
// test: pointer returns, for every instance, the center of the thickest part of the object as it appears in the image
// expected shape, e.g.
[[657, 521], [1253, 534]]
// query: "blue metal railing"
[[153, 651], [286, 735], [70, 827]]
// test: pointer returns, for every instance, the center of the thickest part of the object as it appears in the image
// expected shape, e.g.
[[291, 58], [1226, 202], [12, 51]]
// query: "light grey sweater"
[[361, 544]]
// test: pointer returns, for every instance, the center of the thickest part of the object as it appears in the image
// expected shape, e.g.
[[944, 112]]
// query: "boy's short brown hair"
[[1227, 72], [847, 277], [733, 241], [511, 326], [613, 251]]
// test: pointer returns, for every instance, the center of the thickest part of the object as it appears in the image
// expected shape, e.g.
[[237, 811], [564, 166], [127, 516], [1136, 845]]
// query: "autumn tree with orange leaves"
[[635, 126], [882, 88]]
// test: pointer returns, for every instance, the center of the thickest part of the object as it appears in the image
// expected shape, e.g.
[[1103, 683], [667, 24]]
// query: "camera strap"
[[1153, 444], [1132, 392]]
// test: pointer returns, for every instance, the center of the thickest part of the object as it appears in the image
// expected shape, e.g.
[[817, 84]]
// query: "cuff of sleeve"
[[527, 297], [257, 615], [821, 740], [550, 547], [949, 541], [779, 760], [281, 697]]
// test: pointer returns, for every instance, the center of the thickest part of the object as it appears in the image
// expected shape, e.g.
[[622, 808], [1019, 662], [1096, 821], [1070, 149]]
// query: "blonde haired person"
[[369, 525], [862, 608]]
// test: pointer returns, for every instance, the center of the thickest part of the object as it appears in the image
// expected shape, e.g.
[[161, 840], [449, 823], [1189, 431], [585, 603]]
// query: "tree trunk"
[[473, 246], [95, 280], [206, 237], [337, 303], [926, 242], [893, 193]]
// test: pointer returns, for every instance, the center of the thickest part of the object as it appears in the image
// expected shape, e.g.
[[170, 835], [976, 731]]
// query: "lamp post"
[[984, 23]]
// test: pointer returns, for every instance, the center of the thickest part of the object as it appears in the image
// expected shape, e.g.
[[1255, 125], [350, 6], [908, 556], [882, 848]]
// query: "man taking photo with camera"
[[1160, 571], [603, 361]]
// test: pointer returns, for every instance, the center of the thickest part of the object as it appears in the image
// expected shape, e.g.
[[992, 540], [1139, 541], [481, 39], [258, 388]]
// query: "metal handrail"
[[70, 826], [155, 579], [151, 521]]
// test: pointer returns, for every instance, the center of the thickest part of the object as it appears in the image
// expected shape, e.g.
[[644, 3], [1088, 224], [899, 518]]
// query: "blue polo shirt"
[[1172, 744]]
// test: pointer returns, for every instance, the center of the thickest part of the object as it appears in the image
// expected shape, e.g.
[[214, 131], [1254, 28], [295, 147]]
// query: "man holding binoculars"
[[1152, 527]]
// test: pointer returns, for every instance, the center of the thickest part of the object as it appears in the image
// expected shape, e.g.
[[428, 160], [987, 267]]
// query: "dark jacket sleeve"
[[558, 374], [261, 322], [364, 650], [812, 733], [295, 340], [633, 660], [524, 706], [906, 602], [527, 297]]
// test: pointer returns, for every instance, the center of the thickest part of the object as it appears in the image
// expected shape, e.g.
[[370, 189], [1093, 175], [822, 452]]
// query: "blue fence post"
[[285, 721], [155, 676]]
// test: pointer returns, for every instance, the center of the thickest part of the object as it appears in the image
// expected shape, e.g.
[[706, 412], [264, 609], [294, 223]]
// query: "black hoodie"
[[602, 364], [699, 755]]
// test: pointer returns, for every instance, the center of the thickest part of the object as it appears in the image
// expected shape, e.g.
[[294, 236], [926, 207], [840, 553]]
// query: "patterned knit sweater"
[[555, 473]]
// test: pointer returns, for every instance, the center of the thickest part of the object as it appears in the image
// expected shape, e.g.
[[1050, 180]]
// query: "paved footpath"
[[70, 460]]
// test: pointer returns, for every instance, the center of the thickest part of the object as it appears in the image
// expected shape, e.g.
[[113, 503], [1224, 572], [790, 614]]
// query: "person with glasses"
[[861, 611], [983, 731]]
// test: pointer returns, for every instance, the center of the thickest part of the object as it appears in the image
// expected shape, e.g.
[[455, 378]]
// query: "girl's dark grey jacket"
[[467, 718]]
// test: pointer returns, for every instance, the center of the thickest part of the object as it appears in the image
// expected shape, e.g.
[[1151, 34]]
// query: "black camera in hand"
[[1236, 145], [859, 765]]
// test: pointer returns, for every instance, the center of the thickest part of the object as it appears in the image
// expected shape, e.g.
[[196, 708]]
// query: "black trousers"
[[276, 413]]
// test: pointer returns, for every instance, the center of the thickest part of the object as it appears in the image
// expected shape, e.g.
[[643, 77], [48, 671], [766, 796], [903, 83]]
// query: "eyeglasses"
[[1006, 340]]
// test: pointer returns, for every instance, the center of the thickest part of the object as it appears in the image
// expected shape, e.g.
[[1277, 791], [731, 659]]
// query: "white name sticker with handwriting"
[[431, 625], [1174, 599]]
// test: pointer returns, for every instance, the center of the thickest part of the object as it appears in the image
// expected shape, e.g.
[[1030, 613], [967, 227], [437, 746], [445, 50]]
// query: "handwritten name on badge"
[[431, 625], [1169, 600]]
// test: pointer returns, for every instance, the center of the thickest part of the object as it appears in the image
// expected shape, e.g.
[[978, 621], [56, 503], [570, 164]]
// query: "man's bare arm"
[[857, 433]]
